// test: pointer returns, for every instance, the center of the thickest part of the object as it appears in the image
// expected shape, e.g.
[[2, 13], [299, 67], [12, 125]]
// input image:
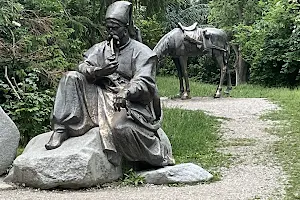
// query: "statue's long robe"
[[84, 101]]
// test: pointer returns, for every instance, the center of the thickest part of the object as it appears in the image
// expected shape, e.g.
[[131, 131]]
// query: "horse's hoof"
[[185, 96], [216, 96], [227, 91]]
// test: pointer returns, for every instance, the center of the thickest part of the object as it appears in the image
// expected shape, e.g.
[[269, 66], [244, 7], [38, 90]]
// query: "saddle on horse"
[[196, 35], [201, 37]]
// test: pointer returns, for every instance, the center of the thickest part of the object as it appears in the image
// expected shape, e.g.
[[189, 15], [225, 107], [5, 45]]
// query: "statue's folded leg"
[[136, 143], [75, 109]]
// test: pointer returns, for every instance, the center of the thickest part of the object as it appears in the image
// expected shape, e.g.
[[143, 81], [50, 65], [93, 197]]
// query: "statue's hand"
[[120, 100], [109, 68]]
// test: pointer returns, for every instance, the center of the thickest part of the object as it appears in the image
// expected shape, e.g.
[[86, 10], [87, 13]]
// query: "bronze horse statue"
[[183, 42]]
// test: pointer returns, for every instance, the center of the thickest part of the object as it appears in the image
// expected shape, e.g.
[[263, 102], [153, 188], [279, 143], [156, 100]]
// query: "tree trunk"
[[240, 66]]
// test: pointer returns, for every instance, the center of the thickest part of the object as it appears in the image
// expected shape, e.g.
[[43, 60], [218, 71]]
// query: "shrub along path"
[[253, 174]]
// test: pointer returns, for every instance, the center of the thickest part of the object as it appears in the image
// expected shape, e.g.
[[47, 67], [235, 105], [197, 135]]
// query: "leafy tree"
[[272, 44], [228, 14], [151, 30], [186, 12]]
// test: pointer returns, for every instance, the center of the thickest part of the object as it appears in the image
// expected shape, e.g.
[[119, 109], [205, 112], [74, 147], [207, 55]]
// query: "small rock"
[[5, 186], [187, 173]]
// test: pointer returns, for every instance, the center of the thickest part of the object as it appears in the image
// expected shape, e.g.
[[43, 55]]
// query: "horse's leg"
[[228, 77], [220, 61], [179, 71], [183, 63]]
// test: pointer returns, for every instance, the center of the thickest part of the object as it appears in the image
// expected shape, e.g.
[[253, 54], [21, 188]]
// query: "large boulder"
[[9, 141], [79, 162], [186, 173]]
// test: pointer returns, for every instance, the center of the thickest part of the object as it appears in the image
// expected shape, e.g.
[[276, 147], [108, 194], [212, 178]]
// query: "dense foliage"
[[36, 46], [272, 44]]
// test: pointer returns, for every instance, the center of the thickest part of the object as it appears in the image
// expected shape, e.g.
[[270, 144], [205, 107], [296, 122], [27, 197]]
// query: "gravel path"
[[254, 173]]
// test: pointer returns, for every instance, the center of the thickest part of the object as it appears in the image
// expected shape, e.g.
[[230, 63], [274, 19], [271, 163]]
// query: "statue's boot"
[[56, 139]]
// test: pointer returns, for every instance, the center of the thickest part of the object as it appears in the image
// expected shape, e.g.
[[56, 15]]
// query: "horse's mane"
[[161, 48]]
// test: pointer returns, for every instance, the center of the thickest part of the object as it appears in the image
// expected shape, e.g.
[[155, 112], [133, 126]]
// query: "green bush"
[[37, 44], [151, 30], [32, 112], [272, 44]]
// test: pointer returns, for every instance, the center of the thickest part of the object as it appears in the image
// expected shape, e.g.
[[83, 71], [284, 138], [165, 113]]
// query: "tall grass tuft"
[[194, 137]]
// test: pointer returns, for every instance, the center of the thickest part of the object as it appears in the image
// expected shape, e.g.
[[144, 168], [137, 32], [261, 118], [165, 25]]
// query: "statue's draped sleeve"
[[142, 86], [91, 60]]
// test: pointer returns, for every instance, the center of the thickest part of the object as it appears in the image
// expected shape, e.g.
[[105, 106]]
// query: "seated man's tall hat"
[[122, 11]]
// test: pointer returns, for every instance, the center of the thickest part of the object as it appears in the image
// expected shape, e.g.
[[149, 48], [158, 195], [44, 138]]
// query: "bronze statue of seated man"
[[114, 89]]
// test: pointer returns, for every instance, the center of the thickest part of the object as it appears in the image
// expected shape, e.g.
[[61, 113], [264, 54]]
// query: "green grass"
[[288, 148], [169, 86], [194, 137]]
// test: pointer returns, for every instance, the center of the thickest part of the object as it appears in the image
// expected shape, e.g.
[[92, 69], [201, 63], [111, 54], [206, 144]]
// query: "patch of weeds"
[[113, 184], [132, 178], [20, 150], [176, 184], [216, 177]]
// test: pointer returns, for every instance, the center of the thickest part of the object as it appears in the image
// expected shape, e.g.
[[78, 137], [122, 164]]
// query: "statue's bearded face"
[[115, 29]]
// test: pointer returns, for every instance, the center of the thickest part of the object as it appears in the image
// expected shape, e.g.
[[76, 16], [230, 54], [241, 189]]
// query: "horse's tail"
[[226, 53]]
